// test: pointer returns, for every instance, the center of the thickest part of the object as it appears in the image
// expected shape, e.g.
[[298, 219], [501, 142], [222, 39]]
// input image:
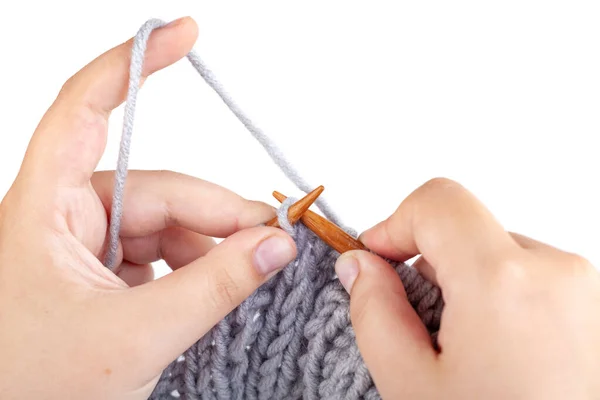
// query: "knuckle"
[[436, 188], [365, 302], [440, 183], [510, 274], [169, 205], [580, 265], [2, 212], [432, 200], [359, 310], [86, 116], [67, 85], [3, 203], [9, 206], [225, 290]]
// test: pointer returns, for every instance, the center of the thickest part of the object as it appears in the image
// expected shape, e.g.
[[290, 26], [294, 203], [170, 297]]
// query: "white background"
[[370, 100]]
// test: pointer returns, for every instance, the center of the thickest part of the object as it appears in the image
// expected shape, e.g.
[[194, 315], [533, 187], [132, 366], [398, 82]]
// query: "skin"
[[68, 322], [521, 320]]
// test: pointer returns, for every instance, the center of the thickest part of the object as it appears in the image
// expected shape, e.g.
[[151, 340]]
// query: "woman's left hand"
[[69, 326]]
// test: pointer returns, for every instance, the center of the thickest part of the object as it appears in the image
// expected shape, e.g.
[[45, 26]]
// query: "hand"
[[69, 326], [521, 319]]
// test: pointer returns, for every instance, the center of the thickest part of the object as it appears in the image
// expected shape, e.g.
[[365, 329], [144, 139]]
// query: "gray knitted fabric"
[[292, 338]]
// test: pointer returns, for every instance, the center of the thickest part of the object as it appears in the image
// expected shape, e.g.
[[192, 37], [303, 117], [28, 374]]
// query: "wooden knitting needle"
[[297, 209], [330, 233]]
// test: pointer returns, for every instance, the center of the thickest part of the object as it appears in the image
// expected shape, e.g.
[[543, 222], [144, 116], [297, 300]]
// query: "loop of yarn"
[[135, 72], [292, 338]]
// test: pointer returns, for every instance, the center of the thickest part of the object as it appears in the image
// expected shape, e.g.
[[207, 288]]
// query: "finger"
[[392, 339], [179, 308], [529, 243], [553, 255], [425, 269], [176, 246], [449, 226], [155, 200], [135, 274], [71, 137]]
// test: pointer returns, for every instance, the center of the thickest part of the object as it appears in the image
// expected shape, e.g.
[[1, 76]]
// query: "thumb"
[[392, 340], [170, 314]]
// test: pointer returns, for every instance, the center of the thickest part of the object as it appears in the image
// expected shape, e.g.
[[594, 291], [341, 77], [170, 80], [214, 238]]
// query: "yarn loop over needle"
[[292, 338]]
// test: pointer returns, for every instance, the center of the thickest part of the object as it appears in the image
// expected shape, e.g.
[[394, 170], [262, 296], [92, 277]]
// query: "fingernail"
[[272, 254], [346, 268]]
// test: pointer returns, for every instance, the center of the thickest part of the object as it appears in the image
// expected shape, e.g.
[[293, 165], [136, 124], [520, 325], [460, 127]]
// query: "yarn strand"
[[292, 338], [135, 73]]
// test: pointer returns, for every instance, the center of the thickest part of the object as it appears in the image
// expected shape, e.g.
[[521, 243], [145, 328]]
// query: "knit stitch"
[[292, 338]]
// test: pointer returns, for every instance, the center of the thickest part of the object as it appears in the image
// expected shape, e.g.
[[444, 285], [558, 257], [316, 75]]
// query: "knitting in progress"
[[292, 338]]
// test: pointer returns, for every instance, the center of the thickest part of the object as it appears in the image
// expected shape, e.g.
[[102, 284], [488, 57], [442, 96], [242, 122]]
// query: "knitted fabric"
[[292, 338]]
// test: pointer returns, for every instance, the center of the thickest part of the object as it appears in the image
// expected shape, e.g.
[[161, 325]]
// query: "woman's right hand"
[[521, 318]]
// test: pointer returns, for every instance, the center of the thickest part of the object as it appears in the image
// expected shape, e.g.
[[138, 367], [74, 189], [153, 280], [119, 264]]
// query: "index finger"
[[70, 139], [449, 226], [155, 200]]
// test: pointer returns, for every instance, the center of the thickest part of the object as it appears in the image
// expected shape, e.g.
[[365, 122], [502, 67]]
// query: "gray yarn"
[[292, 338], [135, 73]]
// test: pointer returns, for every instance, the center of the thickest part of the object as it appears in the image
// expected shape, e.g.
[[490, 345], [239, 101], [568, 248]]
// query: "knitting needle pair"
[[326, 230]]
